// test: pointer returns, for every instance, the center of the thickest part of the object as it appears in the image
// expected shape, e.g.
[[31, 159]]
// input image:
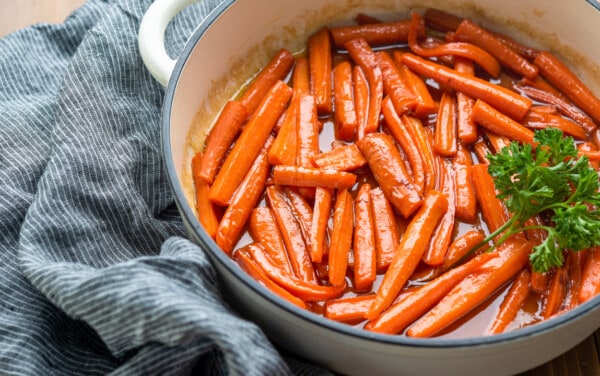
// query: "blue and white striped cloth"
[[95, 274]]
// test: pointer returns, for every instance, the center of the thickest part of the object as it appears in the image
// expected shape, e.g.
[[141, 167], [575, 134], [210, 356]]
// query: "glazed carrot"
[[504, 100], [412, 246], [285, 147], [363, 245], [204, 208], [376, 34], [303, 212], [469, 32], [466, 129], [474, 289], [348, 310], [343, 158], [304, 290], [307, 133], [445, 126], [263, 229], [466, 201], [461, 247], [389, 171], [292, 234], [277, 69], [300, 176], [417, 131], [243, 201], [249, 144], [361, 100], [320, 63], [574, 265], [493, 210], [394, 85], [341, 238], [384, 223], [221, 137], [482, 151], [495, 121], [539, 282], [425, 103], [555, 293], [318, 230], [361, 53], [343, 98], [400, 315], [540, 120], [512, 302], [589, 148], [406, 142], [590, 278], [441, 20], [568, 83]]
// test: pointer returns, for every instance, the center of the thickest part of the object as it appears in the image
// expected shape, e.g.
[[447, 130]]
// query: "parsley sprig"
[[552, 180]]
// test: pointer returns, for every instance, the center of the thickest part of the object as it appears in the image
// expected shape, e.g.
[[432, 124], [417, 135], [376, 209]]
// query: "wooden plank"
[[17, 14]]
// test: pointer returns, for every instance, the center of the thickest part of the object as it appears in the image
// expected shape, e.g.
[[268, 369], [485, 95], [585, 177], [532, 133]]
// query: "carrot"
[[466, 128], [411, 249], [495, 121], [505, 100], [590, 278], [343, 98], [263, 229], [389, 171], [481, 151], [539, 282], [341, 238], [361, 100], [406, 142], [304, 290], [320, 218], [348, 310], [384, 222], [343, 158], [474, 289], [320, 63], [277, 69], [555, 293], [364, 240], [361, 53], [445, 126], [496, 141], [307, 133], [574, 265], [589, 148], [461, 247], [376, 34], [438, 19], [540, 120], [249, 144], [425, 103], [303, 212], [512, 302], [466, 201], [394, 85], [469, 32], [568, 83], [292, 234], [300, 176], [493, 210], [417, 131], [400, 315], [204, 208]]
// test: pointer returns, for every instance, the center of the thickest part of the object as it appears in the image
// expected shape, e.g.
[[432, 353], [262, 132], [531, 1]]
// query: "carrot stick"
[[409, 253], [249, 143], [493, 210], [204, 208], [320, 63], [307, 133], [341, 238], [495, 121], [555, 293], [574, 265], [264, 229], [400, 315], [496, 141], [285, 147], [244, 259], [539, 282], [505, 100], [540, 120], [425, 103], [469, 32], [466, 200], [589, 148], [474, 289], [318, 230], [406, 142], [376, 34], [417, 131], [461, 246], [568, 83], [590, 278], [445, 126], [303, 212], [292, 234], [364, 241], [343, 158], [394, 85], [361, 100], [277, 69], [300, 176], [221, 137], [361, 53], [384, 222], [466, 128], [348, 310], [343, 98], [389, 171], [512, 302]]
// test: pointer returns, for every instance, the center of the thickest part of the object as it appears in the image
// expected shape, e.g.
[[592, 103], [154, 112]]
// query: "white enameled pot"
[[233, 43]]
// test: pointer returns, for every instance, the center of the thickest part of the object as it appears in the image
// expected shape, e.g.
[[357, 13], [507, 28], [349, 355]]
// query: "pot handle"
[[151, 37]]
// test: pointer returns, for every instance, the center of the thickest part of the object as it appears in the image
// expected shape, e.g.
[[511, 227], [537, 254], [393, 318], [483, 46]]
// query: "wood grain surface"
[[583, 360]]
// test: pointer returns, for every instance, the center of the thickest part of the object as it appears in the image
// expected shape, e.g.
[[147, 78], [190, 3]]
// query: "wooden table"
[[583, 360]]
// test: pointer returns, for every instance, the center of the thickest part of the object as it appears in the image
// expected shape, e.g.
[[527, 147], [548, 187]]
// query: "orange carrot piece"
[[264, 229], [400, 315], [512, 302], [574, 265], [417, 131], [406, 142], [320, 63], [343, 158], [364, 241], [394, 85], [389, 171], [493, 210], [539, 282], [410, 251], [496, 141], [204, 208], [590, 278], [386, 235], [445, 127], [307, 132], [469, 32], [303, 212], [505, 100], [249, 143], [559, 75], [466, 129], [300, 176], [361, 100], [348, 310], [425, 103], [555, 293], [341, 237], [461, 247], [318, 230], [495, 121], [466, 200], [589, 148], [376, 34], [540, 120], [343, 97], [285, 147], [481, 151]]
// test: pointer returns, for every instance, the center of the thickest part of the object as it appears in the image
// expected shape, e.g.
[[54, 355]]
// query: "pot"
[[236, 40]]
